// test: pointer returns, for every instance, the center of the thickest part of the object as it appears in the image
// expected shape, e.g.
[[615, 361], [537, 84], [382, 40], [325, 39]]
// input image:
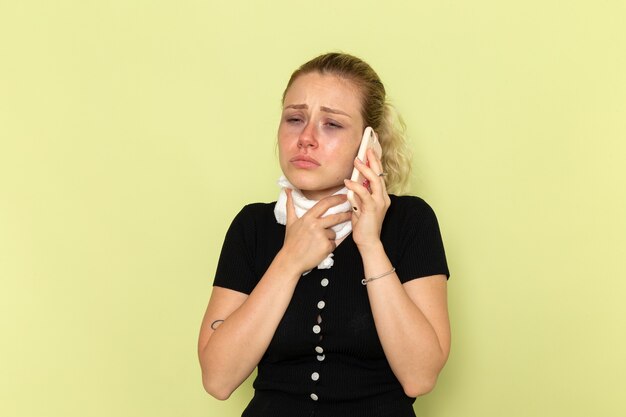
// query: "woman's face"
[[320, 133]]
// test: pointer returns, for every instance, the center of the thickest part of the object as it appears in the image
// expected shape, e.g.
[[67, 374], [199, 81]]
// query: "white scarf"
[[303, 204]]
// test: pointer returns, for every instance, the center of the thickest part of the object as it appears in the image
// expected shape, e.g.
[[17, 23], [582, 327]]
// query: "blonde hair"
[[376, 111]]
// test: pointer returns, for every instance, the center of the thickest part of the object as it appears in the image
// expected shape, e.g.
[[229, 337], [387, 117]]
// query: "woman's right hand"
[[310, 239]]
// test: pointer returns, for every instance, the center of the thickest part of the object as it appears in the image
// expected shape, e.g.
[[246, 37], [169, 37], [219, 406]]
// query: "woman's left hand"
[[367, 221]]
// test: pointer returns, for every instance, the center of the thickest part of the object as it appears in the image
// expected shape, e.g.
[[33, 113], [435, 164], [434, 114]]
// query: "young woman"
[[343, 311]]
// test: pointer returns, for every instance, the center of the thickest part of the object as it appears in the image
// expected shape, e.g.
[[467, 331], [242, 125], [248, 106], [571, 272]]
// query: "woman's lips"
[[305, 162]]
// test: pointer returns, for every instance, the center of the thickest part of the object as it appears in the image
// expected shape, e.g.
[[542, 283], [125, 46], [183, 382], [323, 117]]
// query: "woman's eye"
[[334, 125], [293, 119]]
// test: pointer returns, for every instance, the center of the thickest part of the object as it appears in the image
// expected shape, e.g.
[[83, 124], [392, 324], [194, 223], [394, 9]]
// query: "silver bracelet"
[[365, 281]]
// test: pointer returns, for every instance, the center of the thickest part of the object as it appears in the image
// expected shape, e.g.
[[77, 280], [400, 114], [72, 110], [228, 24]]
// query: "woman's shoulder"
[[255, 209], [412, 234], [255, 214], [410, 203], [409, 211]]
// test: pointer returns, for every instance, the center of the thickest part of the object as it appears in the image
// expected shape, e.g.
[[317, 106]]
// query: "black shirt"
[[335, 367]]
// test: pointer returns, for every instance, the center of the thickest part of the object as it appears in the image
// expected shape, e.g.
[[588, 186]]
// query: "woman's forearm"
[[234, 349], [415, 340]]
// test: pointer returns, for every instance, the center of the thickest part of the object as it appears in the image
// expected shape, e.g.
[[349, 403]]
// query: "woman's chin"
[[311, 185], [319, 193]]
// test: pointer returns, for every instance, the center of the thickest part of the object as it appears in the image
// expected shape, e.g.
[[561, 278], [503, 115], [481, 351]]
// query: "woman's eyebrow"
[[322, 108], [297, 106], [334, 111]]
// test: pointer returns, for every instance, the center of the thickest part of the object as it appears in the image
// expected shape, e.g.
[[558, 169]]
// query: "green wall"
[[131, 132]]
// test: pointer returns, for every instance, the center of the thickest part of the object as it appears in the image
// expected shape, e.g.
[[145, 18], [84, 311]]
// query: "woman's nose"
[[307, 138]]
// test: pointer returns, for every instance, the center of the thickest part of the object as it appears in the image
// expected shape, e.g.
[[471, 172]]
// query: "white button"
[[319, 349], [315, 376], [314, 397], [321, 305], [324, 282], [317, 329], [321, 357]]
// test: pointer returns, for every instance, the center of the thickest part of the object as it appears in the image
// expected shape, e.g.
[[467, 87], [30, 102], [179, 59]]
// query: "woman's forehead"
[[325, 90]]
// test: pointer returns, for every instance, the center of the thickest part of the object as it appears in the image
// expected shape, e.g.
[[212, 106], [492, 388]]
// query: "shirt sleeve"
[[235, 268], [422, 252]]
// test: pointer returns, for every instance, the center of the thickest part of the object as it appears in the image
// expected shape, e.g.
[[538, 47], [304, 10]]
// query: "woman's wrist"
[[287, 265], [371, 246], [376, 263]]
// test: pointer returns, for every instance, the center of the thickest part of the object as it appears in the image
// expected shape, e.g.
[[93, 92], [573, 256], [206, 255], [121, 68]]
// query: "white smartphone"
[[369, 141]]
